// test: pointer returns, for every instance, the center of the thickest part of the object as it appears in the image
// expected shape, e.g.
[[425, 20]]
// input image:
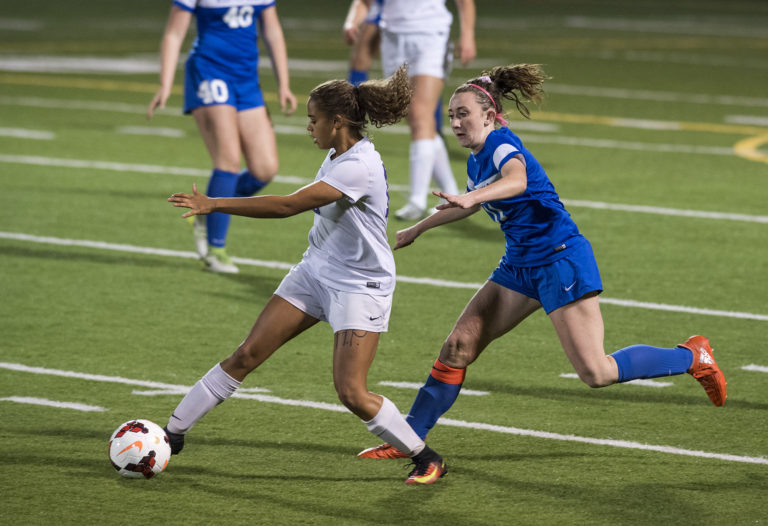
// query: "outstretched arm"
[[403, 238], [513, 182], [173, 38], [311, 196], [272, 33]]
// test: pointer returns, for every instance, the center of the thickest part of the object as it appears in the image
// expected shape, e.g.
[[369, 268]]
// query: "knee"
[[460, 349], [228, 161], [264, 169], [422, 123], [351, 397], [596, 377]]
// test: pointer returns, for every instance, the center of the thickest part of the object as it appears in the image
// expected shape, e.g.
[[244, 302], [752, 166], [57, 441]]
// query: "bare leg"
[[579, 326], [279, 322]]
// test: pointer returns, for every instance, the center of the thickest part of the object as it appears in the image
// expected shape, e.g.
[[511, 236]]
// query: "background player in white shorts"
[[222, 91], [346, 276], [418, 33]]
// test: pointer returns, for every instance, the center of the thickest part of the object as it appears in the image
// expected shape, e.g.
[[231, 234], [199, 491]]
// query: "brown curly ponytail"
[[380, 102], [502, 81]]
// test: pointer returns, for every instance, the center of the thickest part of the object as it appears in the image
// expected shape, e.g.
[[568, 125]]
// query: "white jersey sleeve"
[[345, 177]]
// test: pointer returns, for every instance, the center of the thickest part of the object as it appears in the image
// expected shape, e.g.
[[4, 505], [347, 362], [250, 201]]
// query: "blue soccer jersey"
[[227, 32], [537, 227]]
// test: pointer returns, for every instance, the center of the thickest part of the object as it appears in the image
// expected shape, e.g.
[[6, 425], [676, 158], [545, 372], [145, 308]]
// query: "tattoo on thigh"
[[351, 337]]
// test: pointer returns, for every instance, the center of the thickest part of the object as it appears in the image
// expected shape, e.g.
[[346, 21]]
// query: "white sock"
[[390, 426], [442, 173], [211, 390], [422, 156]]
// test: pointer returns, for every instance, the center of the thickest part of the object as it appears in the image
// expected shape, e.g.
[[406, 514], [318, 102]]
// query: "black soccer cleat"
[[428, 467], [175, 440]]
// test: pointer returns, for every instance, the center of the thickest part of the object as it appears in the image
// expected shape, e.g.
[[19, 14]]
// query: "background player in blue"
[[222, 92], [547, 263]]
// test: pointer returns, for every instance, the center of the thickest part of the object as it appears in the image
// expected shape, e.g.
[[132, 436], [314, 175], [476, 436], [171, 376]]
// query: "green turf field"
[[655, 133]]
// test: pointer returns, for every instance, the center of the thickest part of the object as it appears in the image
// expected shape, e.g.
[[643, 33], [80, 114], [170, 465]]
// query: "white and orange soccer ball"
[[139, 448]]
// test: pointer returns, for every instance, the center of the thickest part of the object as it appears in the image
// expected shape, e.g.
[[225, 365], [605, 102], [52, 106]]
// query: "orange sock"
[[447, 374]]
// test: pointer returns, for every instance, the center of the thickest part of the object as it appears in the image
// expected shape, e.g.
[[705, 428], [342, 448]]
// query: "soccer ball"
[[139, 448]]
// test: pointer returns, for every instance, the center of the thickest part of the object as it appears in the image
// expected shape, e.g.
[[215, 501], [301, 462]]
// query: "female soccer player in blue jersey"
[[346, 277], [547, 263], [222, 92]]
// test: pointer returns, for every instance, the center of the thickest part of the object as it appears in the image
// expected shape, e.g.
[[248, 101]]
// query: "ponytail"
[[503, 82], [380, 102]]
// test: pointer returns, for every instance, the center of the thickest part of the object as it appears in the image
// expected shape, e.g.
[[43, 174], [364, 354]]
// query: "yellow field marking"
[[95, 84], [748, 148]]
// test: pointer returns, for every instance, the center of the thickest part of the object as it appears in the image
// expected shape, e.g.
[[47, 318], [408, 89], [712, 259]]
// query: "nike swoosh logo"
[[373, 318], [569, 287], [137, 444]]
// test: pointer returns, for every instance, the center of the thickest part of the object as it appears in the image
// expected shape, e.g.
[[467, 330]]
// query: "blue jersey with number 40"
[[227, 32], [537, 227]]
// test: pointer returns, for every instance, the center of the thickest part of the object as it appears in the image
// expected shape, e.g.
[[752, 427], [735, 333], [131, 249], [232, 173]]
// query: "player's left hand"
[[198, 204], [455, 201], [466, 50], [287, 101]]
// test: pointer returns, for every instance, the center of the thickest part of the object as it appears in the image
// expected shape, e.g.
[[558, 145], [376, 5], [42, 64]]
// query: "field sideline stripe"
[[98, 377], [443, 421], [404, 279], [755, 367], [293, 179], [52, 403]]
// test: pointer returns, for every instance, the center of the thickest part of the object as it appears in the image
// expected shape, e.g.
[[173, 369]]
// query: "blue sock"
[[644, 361], [221, 184], [435, 397], [439, 116], [247, 184], [355, 76]]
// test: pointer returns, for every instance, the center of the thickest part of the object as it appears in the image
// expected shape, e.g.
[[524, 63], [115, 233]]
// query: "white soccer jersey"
[[348, 247], [420, 16]]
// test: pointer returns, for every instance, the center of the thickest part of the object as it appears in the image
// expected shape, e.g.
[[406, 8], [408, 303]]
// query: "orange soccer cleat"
[[705, 369], [382, 451], [428, 467]]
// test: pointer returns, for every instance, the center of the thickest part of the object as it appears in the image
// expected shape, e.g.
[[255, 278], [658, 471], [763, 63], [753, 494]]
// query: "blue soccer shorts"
[[207, 85], [555, 284]]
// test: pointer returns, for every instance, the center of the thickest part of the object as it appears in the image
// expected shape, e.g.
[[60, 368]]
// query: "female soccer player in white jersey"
[[347, 275], [547, 263], [222, 92], [417, 32]]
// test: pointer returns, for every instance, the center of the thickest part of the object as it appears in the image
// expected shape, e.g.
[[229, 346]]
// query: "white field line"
[[443, 421], [20, 24], [666, 211], [676, 27], [758, 368], [24, 133], [602, 442], [98, 377], [659, 96], [404, 279], [52, 403], [173, 133], [292, 179], [642, 382], [749, 120], [414, 385], [627, 145], [88, 105]]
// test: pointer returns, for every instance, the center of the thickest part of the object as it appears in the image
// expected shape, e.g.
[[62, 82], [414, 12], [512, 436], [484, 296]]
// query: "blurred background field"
[[655, 134]]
